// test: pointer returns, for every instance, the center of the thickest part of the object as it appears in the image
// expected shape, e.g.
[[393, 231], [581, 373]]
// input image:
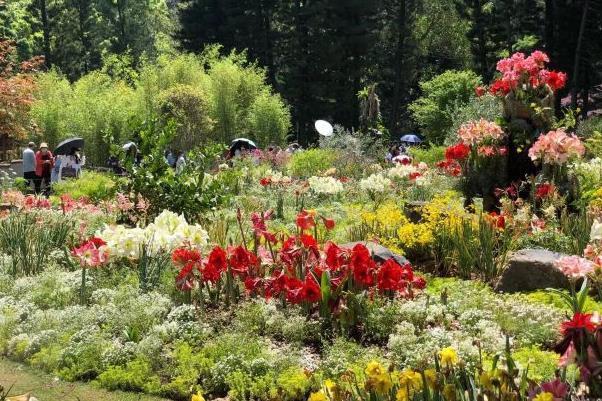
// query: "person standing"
[[180, 163], [44, 164], [29, 164]]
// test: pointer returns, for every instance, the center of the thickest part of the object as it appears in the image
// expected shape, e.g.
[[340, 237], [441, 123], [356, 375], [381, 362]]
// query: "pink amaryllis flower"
[[556, 147], [91, 253], [574, 266]]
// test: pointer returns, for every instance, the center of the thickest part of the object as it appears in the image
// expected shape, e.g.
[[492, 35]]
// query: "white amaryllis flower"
[[325, 185], [167, 232], [401, 171], [596, 232], [375, 183]]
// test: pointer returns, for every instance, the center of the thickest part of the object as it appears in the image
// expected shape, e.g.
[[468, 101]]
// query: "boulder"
[[379, 253], [531, 269]]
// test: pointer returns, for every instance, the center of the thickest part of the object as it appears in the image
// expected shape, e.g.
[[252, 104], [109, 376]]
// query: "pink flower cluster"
[[574, 266], [556, 147], [521, 72], [477, 132], [92, 252]]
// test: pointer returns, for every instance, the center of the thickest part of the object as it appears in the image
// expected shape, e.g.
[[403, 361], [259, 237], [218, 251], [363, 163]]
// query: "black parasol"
[[65, 147]]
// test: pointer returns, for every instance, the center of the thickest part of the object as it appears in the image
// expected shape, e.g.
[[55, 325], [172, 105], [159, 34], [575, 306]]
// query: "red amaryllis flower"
[[241, 260], [335, 256], [389, 276], [305, 220], [556, 80], [265, 181], [500, 88], [362, 265], [185, 279], [579, 322], [498, 220], [211, 273], [218, 258], [414, 175], [309, 241], [181, 256], [252, 285], [459, 151], [98, 242], [311, 290], [328, 223], [479, 91], [544, 190]]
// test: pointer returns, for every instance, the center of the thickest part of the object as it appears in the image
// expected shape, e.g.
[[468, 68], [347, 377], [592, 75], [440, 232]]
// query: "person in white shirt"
[[180, 163]]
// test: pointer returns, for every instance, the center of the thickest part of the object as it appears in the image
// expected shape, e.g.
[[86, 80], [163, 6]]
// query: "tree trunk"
[[82, 13], [482, 48], [46, 32], [577, 61], [398, 85]]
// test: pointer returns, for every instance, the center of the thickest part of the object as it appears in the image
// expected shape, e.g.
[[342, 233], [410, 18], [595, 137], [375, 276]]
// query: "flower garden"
[[326, 274]]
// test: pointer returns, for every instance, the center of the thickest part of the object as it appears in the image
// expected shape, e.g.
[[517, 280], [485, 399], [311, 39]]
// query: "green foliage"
[[29, 245], [190, 192], [90, 185], [441, 97], [486, 106], [95, 108], [542, 365], [311, 162], [430, 155], [269, 119], [137, 375]]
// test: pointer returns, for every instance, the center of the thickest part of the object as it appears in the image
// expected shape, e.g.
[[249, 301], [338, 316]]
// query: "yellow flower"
[[545, 396], [381, 383], [448, 356], [330, 385], [486, 379], [410, 379], [374, 368], [431, 377], [319, 396], [402, 395], [197, 397], [449, 392]]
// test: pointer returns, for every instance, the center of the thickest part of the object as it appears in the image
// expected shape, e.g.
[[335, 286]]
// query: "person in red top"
[[44, 164]]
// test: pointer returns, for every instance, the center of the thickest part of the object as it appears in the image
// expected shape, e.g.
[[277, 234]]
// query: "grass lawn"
[[45, 388]]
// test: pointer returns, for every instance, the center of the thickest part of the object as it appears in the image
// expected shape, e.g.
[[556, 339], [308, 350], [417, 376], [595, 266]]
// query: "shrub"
[[430, 155], [137, 375], [311, 162], [269, 119], [91, 185], [441, 96], [487, 107]]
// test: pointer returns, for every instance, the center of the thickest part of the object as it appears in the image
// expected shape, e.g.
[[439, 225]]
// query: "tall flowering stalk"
[[92, 253]]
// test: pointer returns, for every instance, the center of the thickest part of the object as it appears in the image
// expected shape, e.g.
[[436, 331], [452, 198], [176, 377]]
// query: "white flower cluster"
[[166, 233], [375, 183], [276, 177], [325, 185]]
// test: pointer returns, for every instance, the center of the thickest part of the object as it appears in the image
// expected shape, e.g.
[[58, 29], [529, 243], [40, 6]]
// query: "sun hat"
[[43, 145], [31, 144]]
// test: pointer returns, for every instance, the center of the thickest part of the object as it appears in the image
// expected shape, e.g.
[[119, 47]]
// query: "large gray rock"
[[531, 269], [379, 253]]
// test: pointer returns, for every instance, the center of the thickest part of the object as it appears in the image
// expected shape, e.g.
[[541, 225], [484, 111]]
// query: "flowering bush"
[[325, 185], [479, 132], [527, 76], [556, 148], [299, 271]]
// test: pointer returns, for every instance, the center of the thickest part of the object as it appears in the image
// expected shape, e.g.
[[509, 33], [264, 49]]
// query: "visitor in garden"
[[180, 162], [393, 152], [44, 164], [29, 164], [170, 158]]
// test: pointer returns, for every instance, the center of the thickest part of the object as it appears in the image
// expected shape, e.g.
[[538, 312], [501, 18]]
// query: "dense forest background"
[[318, 54]]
